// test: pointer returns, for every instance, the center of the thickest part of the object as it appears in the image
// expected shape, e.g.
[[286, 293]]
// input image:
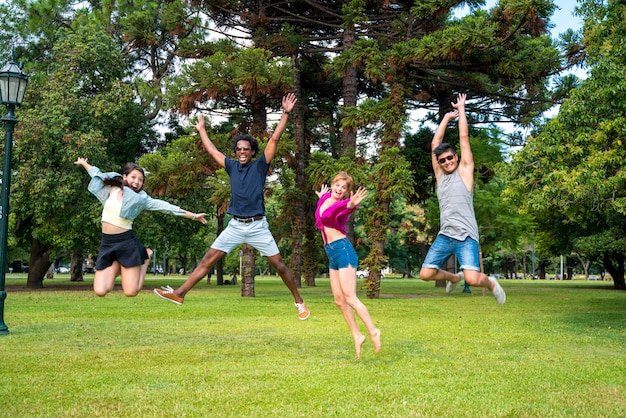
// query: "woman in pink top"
[[331, 215]]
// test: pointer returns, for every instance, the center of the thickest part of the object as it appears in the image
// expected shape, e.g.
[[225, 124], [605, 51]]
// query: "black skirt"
[[125, 248]]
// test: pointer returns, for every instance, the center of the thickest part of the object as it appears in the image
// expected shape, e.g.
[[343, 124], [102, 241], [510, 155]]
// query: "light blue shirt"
[[133, 203]]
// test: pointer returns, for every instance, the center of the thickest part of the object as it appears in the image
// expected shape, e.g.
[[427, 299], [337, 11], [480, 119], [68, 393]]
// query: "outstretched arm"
[[217, 155], [83, 161], [356, 198], [195, 216], [289, 102]]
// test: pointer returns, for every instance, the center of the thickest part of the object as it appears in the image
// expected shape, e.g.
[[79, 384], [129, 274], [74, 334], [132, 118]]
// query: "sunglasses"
[[243, 148], [443, 160]]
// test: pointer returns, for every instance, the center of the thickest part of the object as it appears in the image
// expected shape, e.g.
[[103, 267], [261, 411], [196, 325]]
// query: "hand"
[[451, 115], [460, 101], [322, 191], [289, 102], [82, 161], [200, 124], [200, 218], [356, 198]]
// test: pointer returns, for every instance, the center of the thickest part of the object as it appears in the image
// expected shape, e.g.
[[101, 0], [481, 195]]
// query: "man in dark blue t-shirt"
[[247, 206]]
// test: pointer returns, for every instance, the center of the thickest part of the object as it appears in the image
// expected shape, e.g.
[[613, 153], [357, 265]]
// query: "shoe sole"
[[166, 298]]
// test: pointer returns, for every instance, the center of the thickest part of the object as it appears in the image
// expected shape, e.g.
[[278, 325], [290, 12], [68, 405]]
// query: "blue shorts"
[[255, 233], [466, 252], [341, 254]]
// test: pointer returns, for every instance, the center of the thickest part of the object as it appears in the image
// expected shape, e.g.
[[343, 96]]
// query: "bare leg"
[[132, 279], [346, 311], [208, 261], [434, 274], [347, 279], [104, 280], [478, 279], [145, 265], [283, 271]]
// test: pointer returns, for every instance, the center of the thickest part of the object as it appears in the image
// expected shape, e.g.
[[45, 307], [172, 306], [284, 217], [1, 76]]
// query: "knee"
[[354, 302], [210, 258], [475, 278], [281, 268], [131, 293], [427, 273], [341, 303], [100, 292]]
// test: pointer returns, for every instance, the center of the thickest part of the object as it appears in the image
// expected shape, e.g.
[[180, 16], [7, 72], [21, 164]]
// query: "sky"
[[564, 19]]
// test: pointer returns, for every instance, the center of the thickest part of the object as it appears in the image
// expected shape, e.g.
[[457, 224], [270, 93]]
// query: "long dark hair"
[[117, 181]]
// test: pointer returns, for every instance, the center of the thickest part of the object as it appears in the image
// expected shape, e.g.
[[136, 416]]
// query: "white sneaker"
[[498, 291], [450, 286]]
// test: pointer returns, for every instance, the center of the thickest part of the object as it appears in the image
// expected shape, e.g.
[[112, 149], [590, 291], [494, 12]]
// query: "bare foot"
[[358, 343], [376, 340]]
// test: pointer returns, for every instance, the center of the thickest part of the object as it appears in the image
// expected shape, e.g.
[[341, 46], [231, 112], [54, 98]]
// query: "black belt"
[[248, 220]]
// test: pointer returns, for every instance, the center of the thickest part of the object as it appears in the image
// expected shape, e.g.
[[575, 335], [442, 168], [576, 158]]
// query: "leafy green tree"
[[571, 175], [76, 106]]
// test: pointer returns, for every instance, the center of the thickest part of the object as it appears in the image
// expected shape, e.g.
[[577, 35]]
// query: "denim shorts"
[[341, 254], [256, 233], [466, 252]]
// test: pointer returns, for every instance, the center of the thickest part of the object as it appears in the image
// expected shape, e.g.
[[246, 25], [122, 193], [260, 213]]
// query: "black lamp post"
[[12, 88]]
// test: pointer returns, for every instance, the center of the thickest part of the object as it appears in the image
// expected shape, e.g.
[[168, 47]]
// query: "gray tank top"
[[456, 207]]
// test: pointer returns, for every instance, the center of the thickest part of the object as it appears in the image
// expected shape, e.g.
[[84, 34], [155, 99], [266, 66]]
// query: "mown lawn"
[[555, 349]]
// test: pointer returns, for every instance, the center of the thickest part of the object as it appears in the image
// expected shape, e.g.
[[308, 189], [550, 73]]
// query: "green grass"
[[555, 349]]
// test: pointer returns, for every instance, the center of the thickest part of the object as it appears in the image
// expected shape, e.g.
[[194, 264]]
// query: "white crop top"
[[111, 211]]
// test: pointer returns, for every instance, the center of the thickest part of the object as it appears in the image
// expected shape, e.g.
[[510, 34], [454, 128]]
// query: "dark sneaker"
[[450, 286], [498, 291], [303, 311], [167, 293]]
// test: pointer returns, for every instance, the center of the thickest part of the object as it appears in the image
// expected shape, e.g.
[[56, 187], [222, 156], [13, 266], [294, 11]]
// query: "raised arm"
[[289, 102], [438, 139], [83, 161], [217, 155], [325, 189], [466, 165]]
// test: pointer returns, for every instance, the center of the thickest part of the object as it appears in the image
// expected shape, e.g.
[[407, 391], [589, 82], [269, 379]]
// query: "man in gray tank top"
[[459, 231]]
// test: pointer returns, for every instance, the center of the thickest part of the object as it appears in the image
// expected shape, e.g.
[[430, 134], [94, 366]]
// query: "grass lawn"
[[555, 349]]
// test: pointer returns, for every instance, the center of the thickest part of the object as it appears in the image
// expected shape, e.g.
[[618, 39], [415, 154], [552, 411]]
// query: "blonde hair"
[[342, 175]]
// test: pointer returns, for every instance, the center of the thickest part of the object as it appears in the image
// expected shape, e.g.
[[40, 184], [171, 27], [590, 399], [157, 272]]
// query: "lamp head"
[[13, 83]]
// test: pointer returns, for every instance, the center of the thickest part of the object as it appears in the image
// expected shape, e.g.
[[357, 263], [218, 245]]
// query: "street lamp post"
[[12, 88]]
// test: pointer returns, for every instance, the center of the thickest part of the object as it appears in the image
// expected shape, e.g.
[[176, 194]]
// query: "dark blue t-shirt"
[[247, 186]]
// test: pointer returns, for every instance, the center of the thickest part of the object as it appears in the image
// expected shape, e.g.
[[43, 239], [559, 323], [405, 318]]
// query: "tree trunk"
[[376, 258], [372, 283], [299, 166], [247, 273], [349, 94], [39, 264], [76, 267], [616, 271], [311, 248]]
